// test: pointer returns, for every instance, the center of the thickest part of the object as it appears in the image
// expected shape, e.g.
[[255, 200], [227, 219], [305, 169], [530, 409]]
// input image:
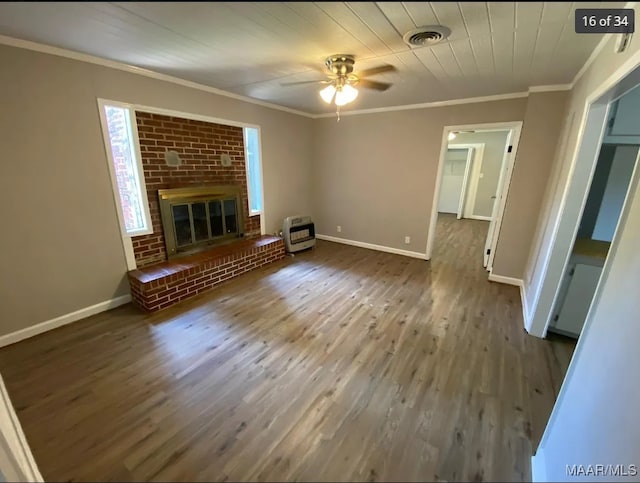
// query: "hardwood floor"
[[337, 364]]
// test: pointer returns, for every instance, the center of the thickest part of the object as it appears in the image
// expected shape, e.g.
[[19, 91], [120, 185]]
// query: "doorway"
[[474, 173], [611, 125], [459, 185], [616, 161]]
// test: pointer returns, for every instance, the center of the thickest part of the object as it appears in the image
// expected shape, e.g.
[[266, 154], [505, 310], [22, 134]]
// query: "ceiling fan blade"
[[323, 81], [378, 86], [315, 67], [377, 70]]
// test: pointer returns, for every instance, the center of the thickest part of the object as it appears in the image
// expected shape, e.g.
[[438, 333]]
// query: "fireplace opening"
[[193, 219]]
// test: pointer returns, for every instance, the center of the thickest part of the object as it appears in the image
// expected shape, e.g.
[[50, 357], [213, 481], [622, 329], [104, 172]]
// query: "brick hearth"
[[162, 285], [158, 283]]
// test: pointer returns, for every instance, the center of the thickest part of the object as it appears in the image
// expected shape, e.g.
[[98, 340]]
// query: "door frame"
[[494, 227], [516, 127], [16, 460], [471, 178], [473, 187], [554, 257]]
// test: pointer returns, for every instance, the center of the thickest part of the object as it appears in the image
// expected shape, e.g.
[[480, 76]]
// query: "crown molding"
[[425, 105], [92, 59], [71, 54], [551, 88]]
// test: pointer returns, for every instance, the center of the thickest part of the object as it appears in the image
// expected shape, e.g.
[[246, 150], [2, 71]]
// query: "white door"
[[465, 182], [453, 178], [496, 204], [490, 234]]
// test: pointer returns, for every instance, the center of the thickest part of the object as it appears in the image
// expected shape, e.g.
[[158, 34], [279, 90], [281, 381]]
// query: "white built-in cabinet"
[[582, 283], [579, 286], [624, 120]]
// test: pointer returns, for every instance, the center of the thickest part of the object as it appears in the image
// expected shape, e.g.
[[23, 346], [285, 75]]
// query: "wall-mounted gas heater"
[[299, 233]]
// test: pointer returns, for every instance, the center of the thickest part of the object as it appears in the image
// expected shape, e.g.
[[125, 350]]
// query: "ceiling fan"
[[342, 81]]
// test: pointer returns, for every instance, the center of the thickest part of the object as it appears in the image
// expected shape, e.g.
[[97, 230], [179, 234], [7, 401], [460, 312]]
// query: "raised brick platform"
[[159, 286]]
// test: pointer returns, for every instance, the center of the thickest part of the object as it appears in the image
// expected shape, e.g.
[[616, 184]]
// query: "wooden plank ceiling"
[[250, 48]]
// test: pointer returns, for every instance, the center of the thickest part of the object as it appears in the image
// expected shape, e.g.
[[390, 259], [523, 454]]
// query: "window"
[[126, 168], [254, 170]]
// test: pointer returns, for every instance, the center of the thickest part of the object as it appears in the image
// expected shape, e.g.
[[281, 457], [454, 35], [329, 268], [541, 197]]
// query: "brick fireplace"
[[200, 146], [160, 279]]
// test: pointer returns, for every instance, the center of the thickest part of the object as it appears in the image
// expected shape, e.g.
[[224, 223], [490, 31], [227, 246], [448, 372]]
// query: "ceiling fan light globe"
[[346, 95], [327, 93]]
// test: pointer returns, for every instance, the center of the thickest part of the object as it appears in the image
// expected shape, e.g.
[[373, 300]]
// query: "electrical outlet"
[[339, 229], [407, 240]]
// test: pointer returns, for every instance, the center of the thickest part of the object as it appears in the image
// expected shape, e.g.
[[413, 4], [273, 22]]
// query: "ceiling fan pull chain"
[[338, 113]]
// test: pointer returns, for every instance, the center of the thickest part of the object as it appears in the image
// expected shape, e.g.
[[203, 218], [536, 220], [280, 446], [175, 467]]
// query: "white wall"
[[494, 147], [455, 163], [624, 160], [596, 417], [625, 125], [596, 191]]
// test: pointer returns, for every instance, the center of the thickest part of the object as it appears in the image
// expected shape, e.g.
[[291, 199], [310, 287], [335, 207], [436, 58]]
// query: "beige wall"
[[372, 174], [375, 174], [540, 134], [61, 249], [494, 150]]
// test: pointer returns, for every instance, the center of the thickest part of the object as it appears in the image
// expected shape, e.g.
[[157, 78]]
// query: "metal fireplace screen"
[[195, 218]]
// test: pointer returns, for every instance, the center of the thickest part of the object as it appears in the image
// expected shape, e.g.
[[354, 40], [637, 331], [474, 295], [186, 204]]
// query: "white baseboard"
[[525, 307], [22, 334], [478, 217], [371, 246], [523, 294], [508, 280], [538, 468]]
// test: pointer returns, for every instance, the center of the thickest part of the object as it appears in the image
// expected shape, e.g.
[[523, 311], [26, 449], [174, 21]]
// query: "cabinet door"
[[627, 118], [575, 306]]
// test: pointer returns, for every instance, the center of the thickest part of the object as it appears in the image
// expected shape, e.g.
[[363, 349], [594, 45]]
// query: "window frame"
[[260, 175], [127, 241], [133, 131]]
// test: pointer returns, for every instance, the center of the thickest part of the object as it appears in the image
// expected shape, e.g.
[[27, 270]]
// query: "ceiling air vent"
[[424, 36]]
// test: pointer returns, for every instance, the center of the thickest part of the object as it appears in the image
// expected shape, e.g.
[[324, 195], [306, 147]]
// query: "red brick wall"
[[167, 290], [200, 145]]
